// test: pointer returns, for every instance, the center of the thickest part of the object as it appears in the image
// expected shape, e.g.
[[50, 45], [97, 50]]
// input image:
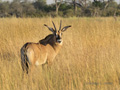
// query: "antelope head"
[[57, 33]]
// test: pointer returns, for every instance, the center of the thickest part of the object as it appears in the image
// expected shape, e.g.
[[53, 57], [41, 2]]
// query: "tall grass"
[[88, 60]]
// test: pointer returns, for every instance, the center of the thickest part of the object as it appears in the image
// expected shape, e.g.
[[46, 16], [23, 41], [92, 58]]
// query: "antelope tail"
[[24, 59]]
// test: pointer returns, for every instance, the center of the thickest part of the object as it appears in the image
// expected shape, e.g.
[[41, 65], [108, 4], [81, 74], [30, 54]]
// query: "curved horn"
[[54, 26], [60, 25]]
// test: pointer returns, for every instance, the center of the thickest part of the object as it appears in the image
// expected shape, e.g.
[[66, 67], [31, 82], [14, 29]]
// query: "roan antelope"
[[34, 54]]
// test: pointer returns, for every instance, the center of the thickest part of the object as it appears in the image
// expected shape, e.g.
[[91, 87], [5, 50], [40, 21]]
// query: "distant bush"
[[68, 13]]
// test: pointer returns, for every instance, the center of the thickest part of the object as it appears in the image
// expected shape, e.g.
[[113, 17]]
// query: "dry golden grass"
[[88, 60]]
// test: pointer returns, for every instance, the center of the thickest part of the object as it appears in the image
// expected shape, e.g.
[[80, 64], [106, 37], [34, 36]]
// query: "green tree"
[[28, 9], [58, 3], [4, 9], [16, 8]]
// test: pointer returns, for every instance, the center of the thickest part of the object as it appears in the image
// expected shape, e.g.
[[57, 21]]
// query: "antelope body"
[[34, 54]]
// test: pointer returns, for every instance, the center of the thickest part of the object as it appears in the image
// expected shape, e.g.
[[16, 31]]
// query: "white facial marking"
[[59, 40]]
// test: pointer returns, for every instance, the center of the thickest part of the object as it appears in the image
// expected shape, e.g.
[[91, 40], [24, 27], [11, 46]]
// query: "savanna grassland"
[[88, 60]]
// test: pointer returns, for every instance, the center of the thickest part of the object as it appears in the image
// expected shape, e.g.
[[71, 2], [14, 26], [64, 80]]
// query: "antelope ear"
[[65, 28], [51, 29]]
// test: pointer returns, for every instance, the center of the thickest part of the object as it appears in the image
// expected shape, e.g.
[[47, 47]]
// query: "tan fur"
[[42, 52]]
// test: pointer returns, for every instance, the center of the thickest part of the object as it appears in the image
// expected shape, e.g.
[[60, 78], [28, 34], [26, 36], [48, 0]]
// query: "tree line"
[[62, 8]]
